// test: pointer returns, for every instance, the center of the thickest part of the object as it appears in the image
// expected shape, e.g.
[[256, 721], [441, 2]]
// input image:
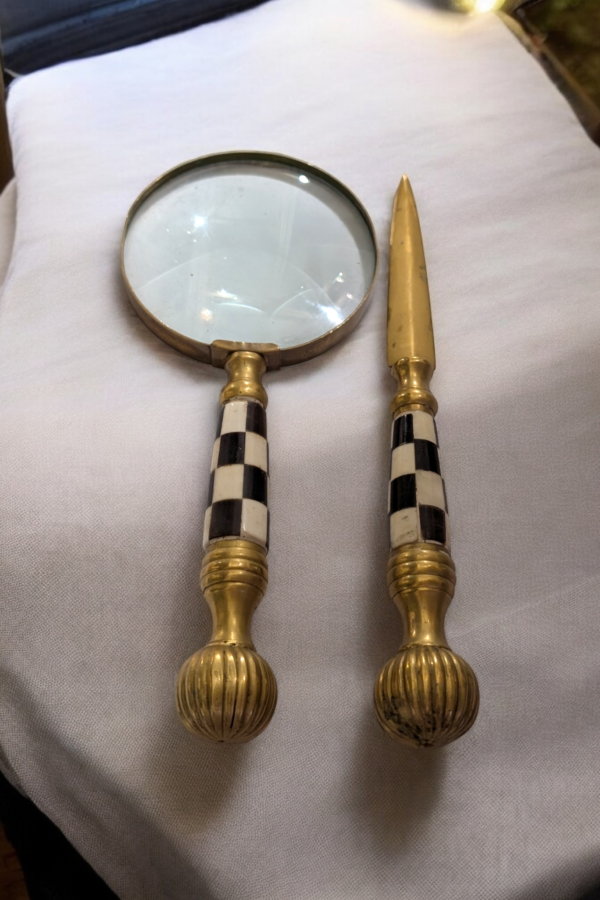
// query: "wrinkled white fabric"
[[105, 442]]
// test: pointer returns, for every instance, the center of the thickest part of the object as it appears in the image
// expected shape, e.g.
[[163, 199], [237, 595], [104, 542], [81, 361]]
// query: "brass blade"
[[409, 330]]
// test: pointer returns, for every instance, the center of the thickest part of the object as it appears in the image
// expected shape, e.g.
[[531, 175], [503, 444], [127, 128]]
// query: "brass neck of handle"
[[245, 370], [421, 579], [413, 376], [234, 580]]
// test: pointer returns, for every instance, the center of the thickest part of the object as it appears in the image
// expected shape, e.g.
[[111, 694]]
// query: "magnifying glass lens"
[[249, 252]]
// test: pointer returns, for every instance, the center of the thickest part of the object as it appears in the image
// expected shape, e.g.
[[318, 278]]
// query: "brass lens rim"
[[216, 353]]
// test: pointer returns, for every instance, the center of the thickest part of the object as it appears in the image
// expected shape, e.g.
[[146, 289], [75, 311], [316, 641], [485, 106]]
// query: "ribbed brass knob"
[[426, 696], [226, 692]]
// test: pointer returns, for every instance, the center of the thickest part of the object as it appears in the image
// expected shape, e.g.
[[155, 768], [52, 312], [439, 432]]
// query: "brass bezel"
[[217, 353]]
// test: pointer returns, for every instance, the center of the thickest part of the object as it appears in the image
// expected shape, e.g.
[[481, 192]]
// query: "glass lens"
[[253, 252]]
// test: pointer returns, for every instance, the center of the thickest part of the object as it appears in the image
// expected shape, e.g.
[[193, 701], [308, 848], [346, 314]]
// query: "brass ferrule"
[[245, 370], [413, 376]]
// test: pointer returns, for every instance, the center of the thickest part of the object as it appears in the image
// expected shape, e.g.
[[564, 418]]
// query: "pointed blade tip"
[[404, 183], [405, 191], [410, 332]]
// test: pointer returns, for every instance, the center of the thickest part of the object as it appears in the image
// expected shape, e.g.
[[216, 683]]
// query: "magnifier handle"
[[226, 691], [426, 695]]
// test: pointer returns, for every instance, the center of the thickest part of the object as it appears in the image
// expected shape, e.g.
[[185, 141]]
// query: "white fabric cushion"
[[105, 444]]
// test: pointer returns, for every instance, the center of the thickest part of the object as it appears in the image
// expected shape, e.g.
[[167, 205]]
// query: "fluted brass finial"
[[226, 691], [426, 695]]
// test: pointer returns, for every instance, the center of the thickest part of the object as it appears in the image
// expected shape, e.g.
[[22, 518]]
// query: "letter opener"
[[426, 695]]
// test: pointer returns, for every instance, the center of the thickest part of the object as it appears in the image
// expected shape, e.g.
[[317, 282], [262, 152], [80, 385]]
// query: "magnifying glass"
[[248, 261]]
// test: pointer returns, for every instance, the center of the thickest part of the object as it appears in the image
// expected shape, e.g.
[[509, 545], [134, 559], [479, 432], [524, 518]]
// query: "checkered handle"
[[239, 481], [417, 495]]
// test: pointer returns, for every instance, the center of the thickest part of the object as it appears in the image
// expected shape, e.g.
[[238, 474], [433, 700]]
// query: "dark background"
[[40, 33]]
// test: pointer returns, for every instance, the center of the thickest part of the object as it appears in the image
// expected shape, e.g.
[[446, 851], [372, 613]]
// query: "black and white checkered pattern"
[[417, 503], [239, 481]]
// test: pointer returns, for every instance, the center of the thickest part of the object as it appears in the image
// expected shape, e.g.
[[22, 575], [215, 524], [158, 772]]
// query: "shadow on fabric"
[[53, 869]]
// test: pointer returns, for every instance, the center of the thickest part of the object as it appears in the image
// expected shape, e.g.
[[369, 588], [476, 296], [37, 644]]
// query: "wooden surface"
[[564, 36], [6, 167], [12, 884], [570, 29]]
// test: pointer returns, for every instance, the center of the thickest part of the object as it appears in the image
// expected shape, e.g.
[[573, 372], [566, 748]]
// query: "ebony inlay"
[[427, 456], [255, 484], [231, 449], [403, 431], [256, 419], [225, 519], [403, 493], [433, 524]]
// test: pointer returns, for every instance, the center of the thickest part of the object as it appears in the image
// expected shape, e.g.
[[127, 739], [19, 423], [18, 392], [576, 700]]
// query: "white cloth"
[[105, 443]]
